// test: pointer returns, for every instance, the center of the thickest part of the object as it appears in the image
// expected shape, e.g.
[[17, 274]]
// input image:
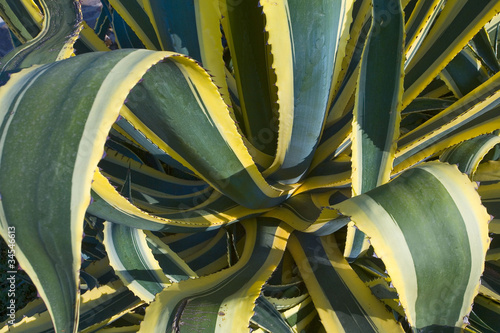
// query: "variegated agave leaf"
[[277, 166]]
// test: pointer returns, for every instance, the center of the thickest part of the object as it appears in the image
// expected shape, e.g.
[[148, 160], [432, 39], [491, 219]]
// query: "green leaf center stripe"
[[426, 289], [202, 110], [133, 261], [103, 113], [377, 110], [390, 216], [347, 309], [475, 230], [385, 228], [125, 37], [316, 30]]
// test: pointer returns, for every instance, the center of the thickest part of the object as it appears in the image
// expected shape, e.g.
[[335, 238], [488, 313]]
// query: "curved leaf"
[[304, 62], [62, 24], [343, 302], [228, 296], [468, 154], [77, 144], [437, 278], [224, 162], [133, 261], [377, 110], [253, 74]]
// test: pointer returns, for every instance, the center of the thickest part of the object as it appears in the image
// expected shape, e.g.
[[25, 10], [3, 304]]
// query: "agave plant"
[[245, 165]]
